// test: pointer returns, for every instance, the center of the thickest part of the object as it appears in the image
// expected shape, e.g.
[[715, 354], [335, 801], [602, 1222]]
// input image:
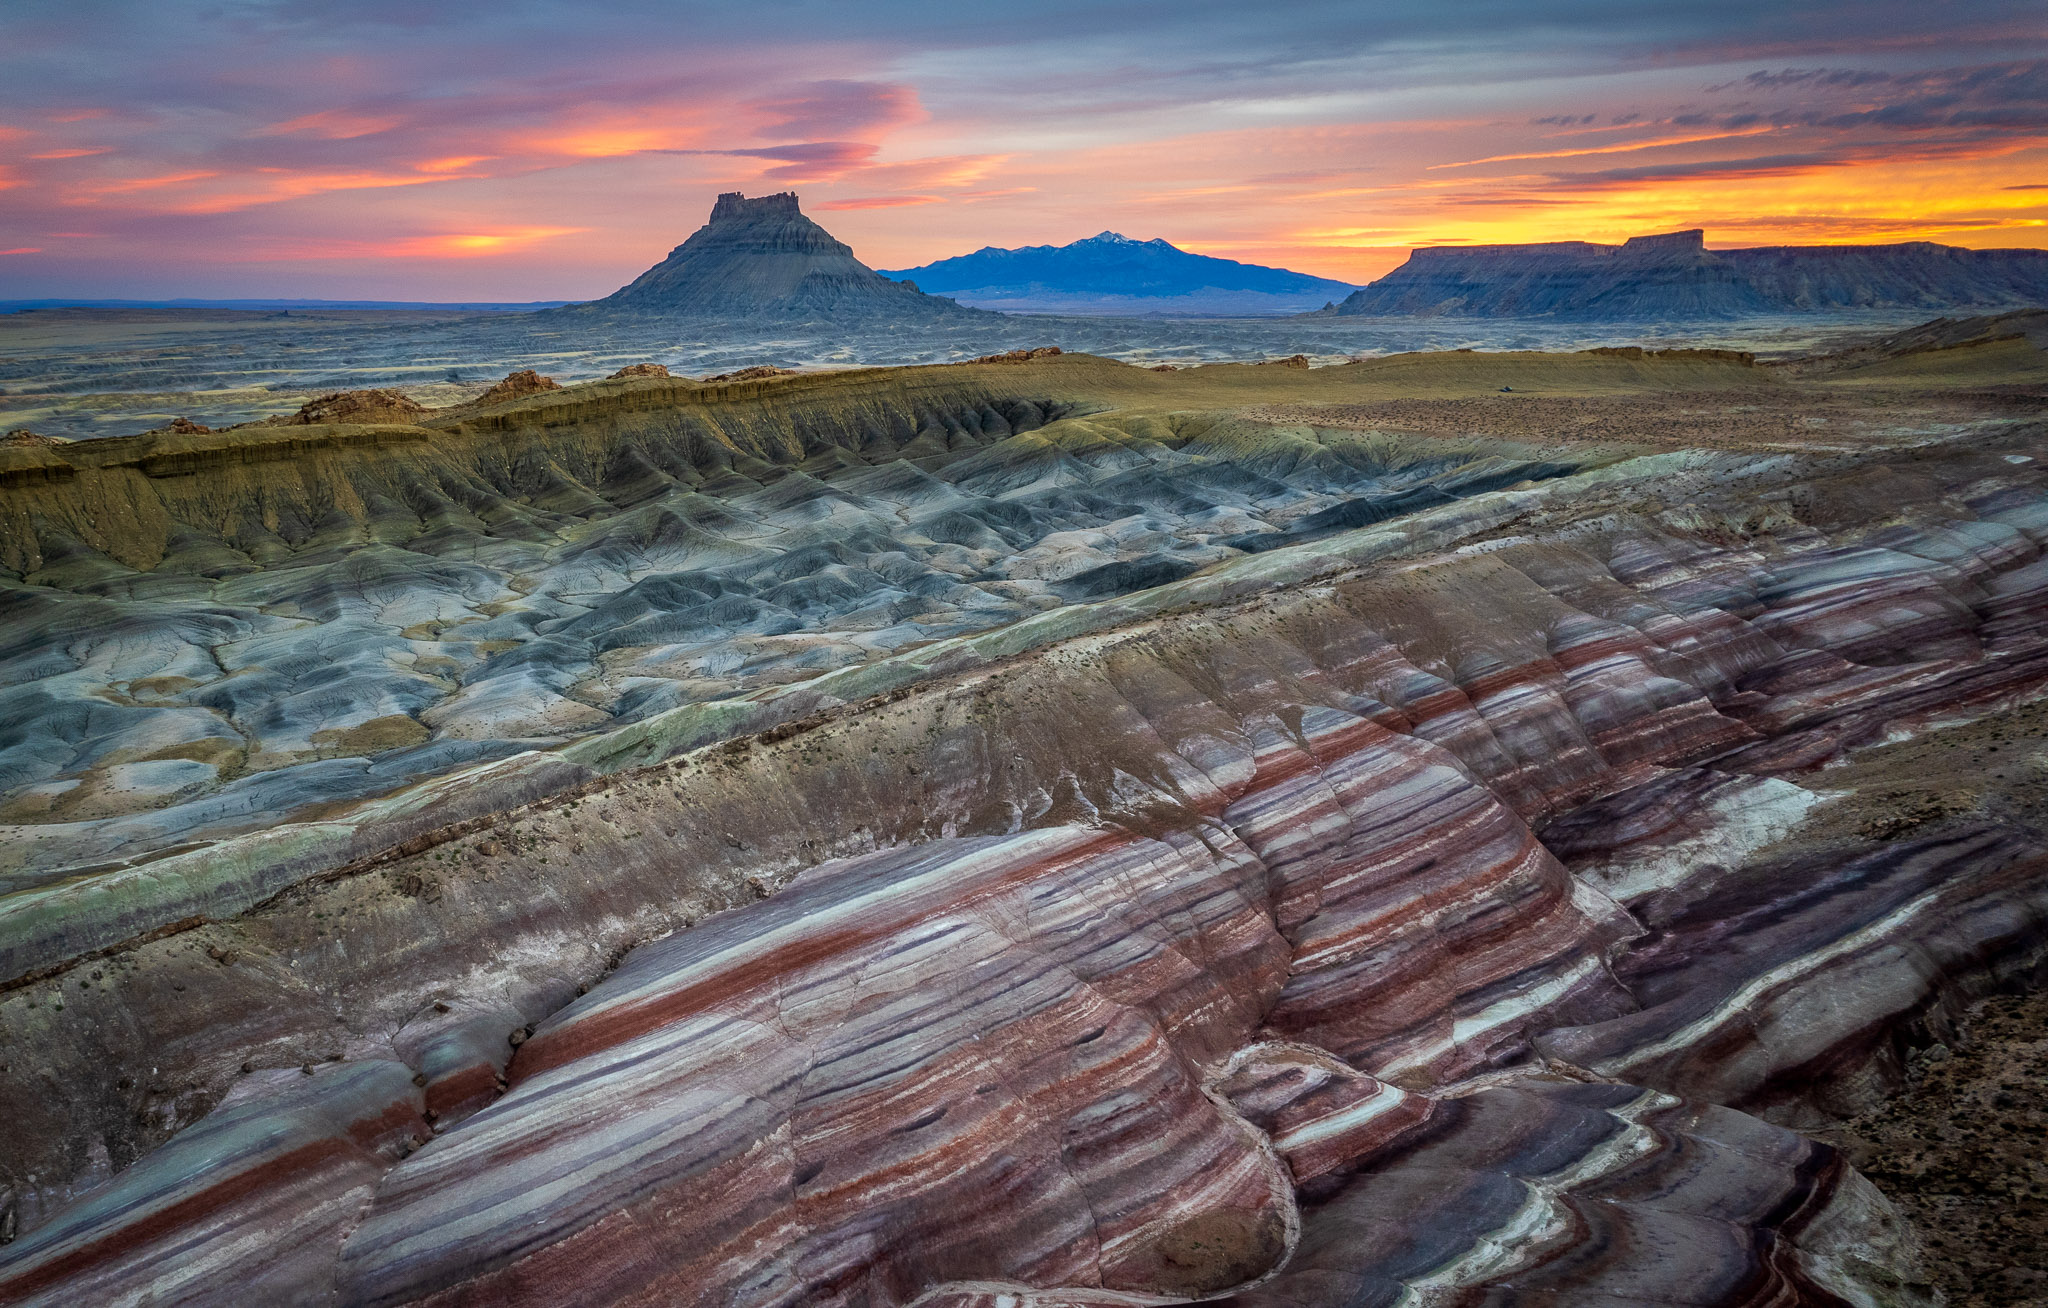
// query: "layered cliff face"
[[761, 258], [1648, 278], [1456, 906]]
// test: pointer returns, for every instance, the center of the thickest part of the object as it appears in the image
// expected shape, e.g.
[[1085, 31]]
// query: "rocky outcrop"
[[756, 373], [358, 407], [761, 258], [1674, 275], [517, 386], [1020, 356]]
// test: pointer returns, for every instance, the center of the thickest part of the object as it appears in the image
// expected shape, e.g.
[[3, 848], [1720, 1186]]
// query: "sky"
[[552, 149]]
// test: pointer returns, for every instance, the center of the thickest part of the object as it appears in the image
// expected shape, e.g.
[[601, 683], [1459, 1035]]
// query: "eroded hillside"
[[1036, 833], [214, 629]]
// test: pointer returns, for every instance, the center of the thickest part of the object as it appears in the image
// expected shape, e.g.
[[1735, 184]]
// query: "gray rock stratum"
[[1029, 833]]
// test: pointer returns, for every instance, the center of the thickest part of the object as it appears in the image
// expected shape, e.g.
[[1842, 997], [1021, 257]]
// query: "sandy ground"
[[1960, 1148], [1960, 1151]]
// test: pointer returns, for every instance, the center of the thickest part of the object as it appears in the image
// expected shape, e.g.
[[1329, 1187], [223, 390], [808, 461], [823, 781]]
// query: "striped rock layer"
[[1281, 991]]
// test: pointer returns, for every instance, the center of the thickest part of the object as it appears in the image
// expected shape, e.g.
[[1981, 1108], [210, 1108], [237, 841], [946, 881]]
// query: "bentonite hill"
[[1450, 828]]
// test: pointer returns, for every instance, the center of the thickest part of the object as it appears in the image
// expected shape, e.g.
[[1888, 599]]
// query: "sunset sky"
[[447, 150]]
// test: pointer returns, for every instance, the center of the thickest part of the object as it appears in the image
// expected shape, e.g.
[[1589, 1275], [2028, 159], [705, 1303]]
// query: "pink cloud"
[[838, 107], [216, 193], [334, 125], [456, 139], [880, 202], [806, 161]]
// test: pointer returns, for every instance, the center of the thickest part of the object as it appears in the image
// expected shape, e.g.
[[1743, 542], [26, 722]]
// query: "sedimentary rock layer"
[[1417, 910], [1555, 1194], [248, 1206], [728, 1098]]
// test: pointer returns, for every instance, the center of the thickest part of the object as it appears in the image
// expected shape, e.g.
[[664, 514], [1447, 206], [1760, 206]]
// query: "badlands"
[[1450, 828]]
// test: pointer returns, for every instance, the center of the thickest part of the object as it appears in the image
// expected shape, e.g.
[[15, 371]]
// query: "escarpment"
[[1674, 275], [128, 497], [1452, 907]]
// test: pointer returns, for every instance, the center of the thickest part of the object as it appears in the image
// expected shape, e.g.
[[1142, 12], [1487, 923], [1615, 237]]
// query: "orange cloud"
[[26, 249], [454, 163], [124, 185], [598, 142], [1277, 195], [266, 186], [1747, 202], [472, 243], [79, 152], [1606, 149], [468, 245]]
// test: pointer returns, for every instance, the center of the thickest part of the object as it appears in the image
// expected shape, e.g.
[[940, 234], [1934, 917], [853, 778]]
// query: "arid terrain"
[[84, 373], [1482, 827]]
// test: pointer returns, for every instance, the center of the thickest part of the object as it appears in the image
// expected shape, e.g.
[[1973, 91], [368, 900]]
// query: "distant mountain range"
[[762, 261], [1674, 275], [1113, 274]]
